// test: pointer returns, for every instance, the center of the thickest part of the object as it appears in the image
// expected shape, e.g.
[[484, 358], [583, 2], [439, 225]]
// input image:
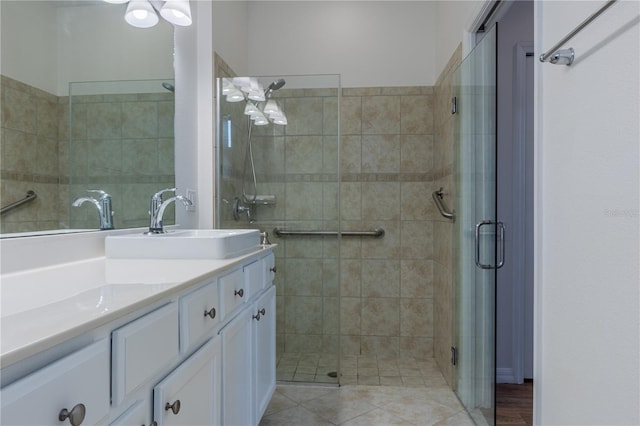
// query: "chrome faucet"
[[158, 206], [103, 204]]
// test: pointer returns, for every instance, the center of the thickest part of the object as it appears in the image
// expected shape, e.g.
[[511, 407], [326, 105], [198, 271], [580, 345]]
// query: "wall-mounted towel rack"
[[565, 56], [376, 233], [444, 211], [30, 196]]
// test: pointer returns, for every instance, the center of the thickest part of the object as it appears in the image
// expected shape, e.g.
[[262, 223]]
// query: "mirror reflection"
[[87, 104]]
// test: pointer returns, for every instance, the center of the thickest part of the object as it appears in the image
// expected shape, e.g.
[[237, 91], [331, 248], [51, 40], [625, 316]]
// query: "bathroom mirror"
[[87, 103]]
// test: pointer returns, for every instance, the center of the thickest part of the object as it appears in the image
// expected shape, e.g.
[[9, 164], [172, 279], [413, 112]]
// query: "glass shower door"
[[476, 231], [285, 176]]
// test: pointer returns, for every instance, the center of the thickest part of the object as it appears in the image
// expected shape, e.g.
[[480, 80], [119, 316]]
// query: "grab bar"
[[377, 233], [29, 197], [565, 57], [444, 211]]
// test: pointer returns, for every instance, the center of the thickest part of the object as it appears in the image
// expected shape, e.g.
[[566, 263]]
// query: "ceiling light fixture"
[[142, 13]]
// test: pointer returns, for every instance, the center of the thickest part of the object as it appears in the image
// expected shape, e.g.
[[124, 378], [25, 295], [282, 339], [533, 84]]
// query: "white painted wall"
[[454, 18], [370, 43], [231, 33], [194, 120], [586, 218], [26, 53], [95, 43], [48, 46]]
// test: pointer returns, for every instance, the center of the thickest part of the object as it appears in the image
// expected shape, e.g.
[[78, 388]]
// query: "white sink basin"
[[183, 244]]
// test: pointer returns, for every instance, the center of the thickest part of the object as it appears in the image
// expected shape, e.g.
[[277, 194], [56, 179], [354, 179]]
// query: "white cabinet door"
[[237, 371], [74, 383], [264, 338], [190, 395]]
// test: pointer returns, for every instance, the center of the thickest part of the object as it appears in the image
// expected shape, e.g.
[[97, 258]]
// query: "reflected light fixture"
[[142, 13]]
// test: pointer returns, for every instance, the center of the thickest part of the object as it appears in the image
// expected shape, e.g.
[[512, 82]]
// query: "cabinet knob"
[[260, 312], [75, 416], [210, 313], [273, 269], [175, 407], [238, 292]]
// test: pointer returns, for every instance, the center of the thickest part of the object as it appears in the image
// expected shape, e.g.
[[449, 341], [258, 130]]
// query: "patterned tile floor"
[[374, 392], [351, 405]]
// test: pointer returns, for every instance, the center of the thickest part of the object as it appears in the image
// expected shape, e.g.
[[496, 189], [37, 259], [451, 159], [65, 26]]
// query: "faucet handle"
[[158, 195], [99, 191]]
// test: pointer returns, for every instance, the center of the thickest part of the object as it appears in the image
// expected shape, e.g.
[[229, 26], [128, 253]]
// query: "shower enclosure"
[[278, 144]]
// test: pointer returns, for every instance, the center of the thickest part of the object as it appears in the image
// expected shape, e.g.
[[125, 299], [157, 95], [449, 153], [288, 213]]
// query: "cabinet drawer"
[[269, 265], [254, 277], [199, 313], [233, 291], [80, 378], [141, 348]]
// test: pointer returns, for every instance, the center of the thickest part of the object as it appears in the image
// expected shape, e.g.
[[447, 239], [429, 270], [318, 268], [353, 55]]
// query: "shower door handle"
[[500, 227]]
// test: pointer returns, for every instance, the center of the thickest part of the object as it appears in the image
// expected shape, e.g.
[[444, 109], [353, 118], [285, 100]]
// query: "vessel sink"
[[183, 244]]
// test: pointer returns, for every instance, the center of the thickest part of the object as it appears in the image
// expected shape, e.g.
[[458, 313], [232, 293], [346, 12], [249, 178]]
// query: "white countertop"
[[43, 307]]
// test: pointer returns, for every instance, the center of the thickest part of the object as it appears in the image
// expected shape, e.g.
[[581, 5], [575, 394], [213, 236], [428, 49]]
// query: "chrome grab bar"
[[565, 57], [444, 211], [377, 233], [29, 197]]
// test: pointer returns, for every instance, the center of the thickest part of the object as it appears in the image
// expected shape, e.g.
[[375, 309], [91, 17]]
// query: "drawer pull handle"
[[210, 313], [260, 312], [175, 407], [75, 416], [273, 269], [238, 292]]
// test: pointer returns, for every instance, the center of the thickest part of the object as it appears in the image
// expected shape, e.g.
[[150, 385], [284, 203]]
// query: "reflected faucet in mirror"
[[103, 204], [158, 206]]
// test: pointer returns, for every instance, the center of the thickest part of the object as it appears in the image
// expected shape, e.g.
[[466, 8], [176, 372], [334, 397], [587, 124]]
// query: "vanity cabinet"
[[72, 390], [202, 355]]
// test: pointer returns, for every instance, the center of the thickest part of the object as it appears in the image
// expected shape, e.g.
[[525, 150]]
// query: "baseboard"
[[505, 375]]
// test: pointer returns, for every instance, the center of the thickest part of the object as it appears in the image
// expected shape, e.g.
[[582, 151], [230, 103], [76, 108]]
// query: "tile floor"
[[359, 370], [374, 392], [351, 405]]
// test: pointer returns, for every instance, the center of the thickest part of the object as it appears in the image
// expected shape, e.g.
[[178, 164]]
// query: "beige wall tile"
[[380, 317], [380, 278], [416, 317], [416, 154], [416, 278], [380, 115], [416, 114]]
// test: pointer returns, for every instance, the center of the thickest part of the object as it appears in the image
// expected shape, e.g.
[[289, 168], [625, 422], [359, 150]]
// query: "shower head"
[[168, 86], [275, 85]]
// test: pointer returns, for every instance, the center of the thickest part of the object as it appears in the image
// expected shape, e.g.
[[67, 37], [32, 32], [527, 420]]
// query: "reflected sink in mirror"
[[183, 244]]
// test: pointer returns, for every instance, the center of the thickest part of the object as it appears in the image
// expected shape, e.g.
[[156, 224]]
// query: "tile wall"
[[388, 164], [122, 144], [31, 152], [394, 292]]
